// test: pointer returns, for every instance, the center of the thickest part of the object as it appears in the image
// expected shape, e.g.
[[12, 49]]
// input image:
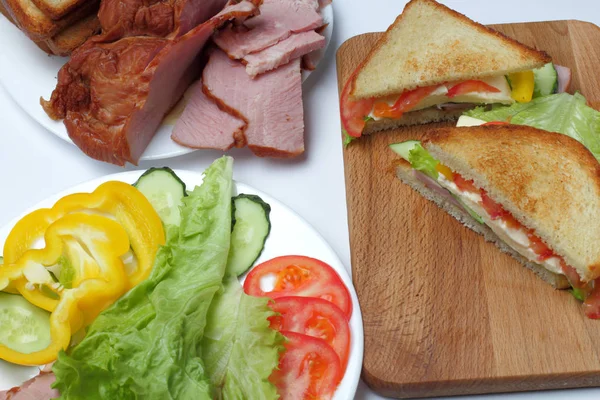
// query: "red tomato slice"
[[308, 369], [572, 276], [314, 317], [406, 102], [464, 185], [591, 304], [471, 86], [494, 209], [543, 252], [300, 276], [353, 112]]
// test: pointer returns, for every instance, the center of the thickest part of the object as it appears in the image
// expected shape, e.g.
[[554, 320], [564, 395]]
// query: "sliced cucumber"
[[404, 148], [250, 230], [545, 80], [25, 327], [165, 191]]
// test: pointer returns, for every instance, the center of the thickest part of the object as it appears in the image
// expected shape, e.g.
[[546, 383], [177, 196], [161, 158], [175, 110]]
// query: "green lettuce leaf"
[[562, 113], [239, 349], [421, 160], [148, 344]]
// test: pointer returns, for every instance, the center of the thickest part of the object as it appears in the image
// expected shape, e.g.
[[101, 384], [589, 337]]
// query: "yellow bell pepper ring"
[[113, 199], [100, 278], [522, 84]]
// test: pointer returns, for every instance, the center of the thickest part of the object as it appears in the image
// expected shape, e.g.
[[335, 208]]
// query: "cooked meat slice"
[[203, 125], [271, 103], [295, 46], [37, 388], [161, 18], [113, 96], [278, 19]]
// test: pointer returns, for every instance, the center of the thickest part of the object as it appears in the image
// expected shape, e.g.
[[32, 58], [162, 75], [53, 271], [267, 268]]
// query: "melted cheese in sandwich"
[[516, 238], [439, 96]]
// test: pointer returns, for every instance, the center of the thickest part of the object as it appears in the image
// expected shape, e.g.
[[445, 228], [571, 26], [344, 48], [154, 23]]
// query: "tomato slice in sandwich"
[[471, 86], [299, 276], [353, 113], [406, 102], [308, 369], [314, 317]]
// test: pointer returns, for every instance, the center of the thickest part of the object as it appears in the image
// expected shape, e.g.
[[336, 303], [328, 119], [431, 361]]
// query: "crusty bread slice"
[[406, 175], [37, 25], [430, 44], [74, 36], [423, 116], [547, 181], [56, 9]]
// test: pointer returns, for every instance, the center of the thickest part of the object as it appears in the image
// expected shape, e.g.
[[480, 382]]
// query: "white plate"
[[27, 73], [290, 234]]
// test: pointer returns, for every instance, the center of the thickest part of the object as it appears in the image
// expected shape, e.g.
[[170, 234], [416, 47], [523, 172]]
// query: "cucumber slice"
[[404, 148], [251, 227], [25, 327], [165, 191], [545, 80]]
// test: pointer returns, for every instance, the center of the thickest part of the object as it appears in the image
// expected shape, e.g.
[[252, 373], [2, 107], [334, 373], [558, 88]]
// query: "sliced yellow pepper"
[[113, 199], [99, 280], [522, 84]]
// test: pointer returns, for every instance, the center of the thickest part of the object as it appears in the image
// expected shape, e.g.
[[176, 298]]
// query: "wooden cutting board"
[[446, 313]]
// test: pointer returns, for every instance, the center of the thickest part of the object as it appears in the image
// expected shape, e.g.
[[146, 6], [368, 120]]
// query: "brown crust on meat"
[[261, 151], [543, 56], [239, 136]]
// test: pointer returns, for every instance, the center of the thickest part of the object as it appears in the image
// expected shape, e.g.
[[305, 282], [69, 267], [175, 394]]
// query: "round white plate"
[[290, 234], [27, 73]]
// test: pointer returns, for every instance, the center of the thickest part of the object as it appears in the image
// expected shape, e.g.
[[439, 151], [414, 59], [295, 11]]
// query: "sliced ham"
[[295, 46], [564, 78], [278, 19], [271, 103], [203, 125], [113, 96], [324, 3], [37, 388]]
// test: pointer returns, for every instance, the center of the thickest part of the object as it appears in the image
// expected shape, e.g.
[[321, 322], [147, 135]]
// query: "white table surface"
[[35, 164]]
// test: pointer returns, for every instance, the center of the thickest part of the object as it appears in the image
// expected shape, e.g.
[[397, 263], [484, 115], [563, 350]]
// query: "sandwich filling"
[[482, 208], [484, 91]]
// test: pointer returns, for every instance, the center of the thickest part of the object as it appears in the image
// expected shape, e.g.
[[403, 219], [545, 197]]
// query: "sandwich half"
[[430, 65], [535, 194]]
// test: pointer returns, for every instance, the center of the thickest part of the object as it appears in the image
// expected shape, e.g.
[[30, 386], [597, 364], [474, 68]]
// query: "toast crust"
[[405, 173], [512, 162], [37, 25], [438, 70], [424, 116], [56, 12]]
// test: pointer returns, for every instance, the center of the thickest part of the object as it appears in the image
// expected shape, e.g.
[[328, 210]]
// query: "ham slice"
[[271, 104], [113, 96], [564, 78], [278, 19], [37, 388], [203, 125], [295, 46]]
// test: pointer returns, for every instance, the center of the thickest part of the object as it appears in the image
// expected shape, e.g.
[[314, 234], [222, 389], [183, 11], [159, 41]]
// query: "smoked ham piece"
[[37, 388], [270, 104], [113, 96], [278, 20], [203, 125], [295, 46]]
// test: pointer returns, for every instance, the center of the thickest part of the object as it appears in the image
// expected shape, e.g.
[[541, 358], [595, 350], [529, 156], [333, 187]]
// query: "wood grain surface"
[[446, 313]]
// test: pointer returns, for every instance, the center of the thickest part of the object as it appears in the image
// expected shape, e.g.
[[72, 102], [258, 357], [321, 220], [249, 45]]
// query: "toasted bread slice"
[[548, 181], [56, 9], [74, 36], [430, 44], [37, 25], [41, 44], [406, 175]]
